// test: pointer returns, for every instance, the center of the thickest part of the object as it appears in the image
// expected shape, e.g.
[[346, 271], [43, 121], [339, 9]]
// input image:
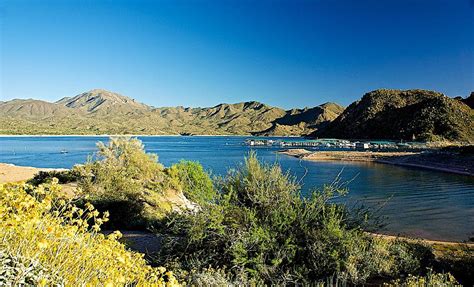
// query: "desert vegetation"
[[46, 240], [250, 227]]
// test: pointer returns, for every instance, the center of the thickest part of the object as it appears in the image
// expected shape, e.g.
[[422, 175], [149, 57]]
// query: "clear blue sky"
[[201, 53]]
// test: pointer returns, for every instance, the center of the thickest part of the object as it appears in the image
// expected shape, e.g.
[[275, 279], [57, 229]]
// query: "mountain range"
[[103, 112], [380, 114]]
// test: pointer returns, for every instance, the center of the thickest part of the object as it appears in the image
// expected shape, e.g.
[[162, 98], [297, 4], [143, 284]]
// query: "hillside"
[[102, 112], [34, 109], [99, 100], [410, 114], [306, 120]]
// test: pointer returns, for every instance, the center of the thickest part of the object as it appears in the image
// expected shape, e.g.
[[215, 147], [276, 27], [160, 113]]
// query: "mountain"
[[102, 112], [99, 100], [32, 109], [397, 114], [307, 120]]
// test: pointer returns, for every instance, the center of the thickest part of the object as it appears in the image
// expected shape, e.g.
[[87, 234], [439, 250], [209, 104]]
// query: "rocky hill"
[[99, 100], [308, 120], [410, 114], [102, 112]]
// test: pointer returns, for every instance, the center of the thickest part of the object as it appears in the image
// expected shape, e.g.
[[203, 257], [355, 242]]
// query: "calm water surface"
[[415, 202]]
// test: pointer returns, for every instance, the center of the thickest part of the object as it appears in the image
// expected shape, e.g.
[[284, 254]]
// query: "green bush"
[[125, 181], [121, 170], [411, 257], [193, 180], [259, 225], [63, 176]]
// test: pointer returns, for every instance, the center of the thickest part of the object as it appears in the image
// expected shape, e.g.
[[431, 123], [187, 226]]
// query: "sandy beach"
[[14, 173]]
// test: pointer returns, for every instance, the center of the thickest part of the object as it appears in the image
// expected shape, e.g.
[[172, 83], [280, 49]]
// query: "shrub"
[[259, 225], [63, 176], [59, 240], [126, 181], [411, 257], [430, 280], [122, 170], [193, 180]]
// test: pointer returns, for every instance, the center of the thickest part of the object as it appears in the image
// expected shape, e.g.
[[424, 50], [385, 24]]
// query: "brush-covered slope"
[[103, 112], [410, 114], [304, 121], [239, 118]]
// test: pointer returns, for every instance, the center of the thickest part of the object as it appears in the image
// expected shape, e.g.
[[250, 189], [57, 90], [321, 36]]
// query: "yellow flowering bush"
[[65, 242], [430, 280]]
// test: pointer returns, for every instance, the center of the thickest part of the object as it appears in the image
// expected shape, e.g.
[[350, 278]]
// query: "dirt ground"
[[14, 173]]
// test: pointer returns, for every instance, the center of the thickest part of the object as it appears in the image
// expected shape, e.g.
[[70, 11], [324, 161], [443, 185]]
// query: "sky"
[[202, 53]]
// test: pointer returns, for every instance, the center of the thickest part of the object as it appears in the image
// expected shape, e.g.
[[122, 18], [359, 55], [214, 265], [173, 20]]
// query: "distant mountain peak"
[[102, 100]]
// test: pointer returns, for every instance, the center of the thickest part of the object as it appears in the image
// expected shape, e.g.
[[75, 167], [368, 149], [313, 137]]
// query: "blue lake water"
[[415, 202]]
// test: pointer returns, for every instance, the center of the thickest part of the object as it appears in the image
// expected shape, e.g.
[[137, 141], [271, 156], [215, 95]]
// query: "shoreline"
[[23, 173], [424, 240], [404, 159], [15, 173]]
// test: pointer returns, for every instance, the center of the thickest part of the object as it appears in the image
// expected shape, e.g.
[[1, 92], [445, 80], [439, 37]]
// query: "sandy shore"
[[439, 162], [14, 173]]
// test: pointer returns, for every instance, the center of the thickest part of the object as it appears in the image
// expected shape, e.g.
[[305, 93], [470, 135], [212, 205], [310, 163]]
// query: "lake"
[[415, 202]]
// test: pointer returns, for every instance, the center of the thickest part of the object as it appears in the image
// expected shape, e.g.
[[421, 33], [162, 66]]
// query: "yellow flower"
[[121, 279], [42, 282], [42, 244], [89, 206]]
